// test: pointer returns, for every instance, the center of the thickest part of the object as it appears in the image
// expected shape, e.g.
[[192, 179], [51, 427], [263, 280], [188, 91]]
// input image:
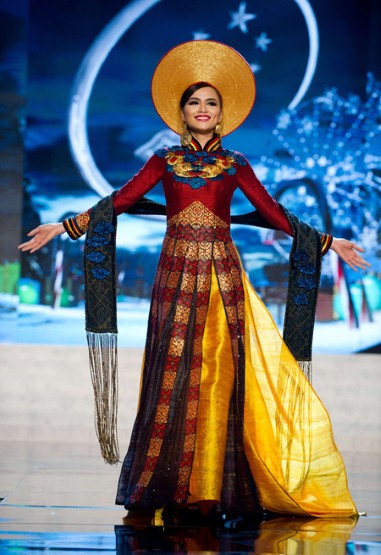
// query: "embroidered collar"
[[212, 145]]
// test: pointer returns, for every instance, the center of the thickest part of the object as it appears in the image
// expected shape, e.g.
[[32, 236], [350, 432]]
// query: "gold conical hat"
[[203, 60]]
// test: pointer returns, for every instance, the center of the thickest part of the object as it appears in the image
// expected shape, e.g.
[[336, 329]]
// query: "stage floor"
[[57, 495], [59, 498]]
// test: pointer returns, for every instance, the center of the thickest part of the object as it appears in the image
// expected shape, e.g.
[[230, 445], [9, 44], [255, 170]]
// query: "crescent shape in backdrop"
[[96, 56]]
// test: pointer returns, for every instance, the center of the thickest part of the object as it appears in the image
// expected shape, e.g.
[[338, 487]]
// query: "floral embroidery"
[[97, 241], [162, 152], [308, 269], [301, 299], [95, 256], [305, 279], [196, 167], [103, 228], [238, 158], [82, 220], [194, 182], [306, 282], [300, 258], [100, 273]]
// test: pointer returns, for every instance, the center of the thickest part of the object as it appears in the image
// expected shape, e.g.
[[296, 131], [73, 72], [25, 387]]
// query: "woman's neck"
[[202, 139], [213, 144]]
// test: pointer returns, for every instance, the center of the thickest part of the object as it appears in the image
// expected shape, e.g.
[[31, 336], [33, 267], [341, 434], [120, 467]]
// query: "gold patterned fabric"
[[197, 215], [288, 438]]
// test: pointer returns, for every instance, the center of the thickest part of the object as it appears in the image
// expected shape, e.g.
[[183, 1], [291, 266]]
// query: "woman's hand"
[[40, 236], [348, 252]]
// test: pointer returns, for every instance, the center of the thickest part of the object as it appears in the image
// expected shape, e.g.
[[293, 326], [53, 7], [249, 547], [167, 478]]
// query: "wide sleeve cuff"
[[326, 242], [77, 225]]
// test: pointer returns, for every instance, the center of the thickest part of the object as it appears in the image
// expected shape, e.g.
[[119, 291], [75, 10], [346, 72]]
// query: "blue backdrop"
[[312, 138]]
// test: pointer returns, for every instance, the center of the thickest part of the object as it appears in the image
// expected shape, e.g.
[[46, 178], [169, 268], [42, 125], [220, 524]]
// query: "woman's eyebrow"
[[198, 98]]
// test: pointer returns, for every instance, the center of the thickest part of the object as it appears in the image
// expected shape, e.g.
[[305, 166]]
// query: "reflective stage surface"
[[58, 495], [59, 499]]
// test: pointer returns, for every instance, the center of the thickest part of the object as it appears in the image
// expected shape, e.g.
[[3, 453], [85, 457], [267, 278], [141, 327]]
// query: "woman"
[[226, 417]]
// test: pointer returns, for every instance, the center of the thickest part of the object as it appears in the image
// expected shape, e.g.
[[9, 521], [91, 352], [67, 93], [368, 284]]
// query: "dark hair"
[[192, 89]]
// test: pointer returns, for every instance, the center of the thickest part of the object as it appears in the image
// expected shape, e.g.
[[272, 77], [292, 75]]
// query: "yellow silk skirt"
[[288, 437]]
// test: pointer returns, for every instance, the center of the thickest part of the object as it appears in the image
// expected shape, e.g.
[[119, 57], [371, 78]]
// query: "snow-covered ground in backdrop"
[[65, 326]]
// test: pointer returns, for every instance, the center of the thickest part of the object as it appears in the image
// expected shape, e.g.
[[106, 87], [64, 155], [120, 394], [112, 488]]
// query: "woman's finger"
[[357, 248], [358, 263], [26, 246], [34, 231], [32, 245]]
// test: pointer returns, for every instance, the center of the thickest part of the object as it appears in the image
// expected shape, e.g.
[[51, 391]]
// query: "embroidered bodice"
[[196, 166], [207, 176]]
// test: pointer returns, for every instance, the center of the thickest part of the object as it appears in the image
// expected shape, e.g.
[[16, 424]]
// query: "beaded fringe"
[[306, 367], [104, 375]]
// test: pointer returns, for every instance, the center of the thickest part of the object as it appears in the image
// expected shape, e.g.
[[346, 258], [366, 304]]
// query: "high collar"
[[213, 144]]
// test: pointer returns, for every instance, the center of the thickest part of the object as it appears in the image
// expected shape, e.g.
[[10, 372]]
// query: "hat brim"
[[203, 60]]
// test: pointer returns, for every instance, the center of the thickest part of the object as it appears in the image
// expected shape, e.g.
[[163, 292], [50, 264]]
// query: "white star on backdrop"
[[240, 18], [255, 67], [200, 35], [262, 42]]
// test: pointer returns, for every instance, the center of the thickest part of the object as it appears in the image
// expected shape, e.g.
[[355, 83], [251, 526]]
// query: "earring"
[[186, 136], [218, 128]]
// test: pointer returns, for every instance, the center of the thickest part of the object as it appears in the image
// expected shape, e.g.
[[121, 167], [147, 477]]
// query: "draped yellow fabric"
[[217, 382], [287, 432]]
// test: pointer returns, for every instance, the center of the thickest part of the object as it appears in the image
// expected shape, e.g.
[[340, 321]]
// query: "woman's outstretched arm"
[[248, 182], [349, 253], [127, 196], [40, 236]]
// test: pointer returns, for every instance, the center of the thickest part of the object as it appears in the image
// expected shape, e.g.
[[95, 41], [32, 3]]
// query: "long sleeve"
[[265, 203], [149, 175], [259, 197]]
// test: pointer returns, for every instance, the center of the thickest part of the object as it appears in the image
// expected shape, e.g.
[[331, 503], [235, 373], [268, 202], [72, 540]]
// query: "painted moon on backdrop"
[[97, 55]]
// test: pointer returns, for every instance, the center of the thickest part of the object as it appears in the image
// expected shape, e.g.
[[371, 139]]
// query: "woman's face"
[[202, 111]]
